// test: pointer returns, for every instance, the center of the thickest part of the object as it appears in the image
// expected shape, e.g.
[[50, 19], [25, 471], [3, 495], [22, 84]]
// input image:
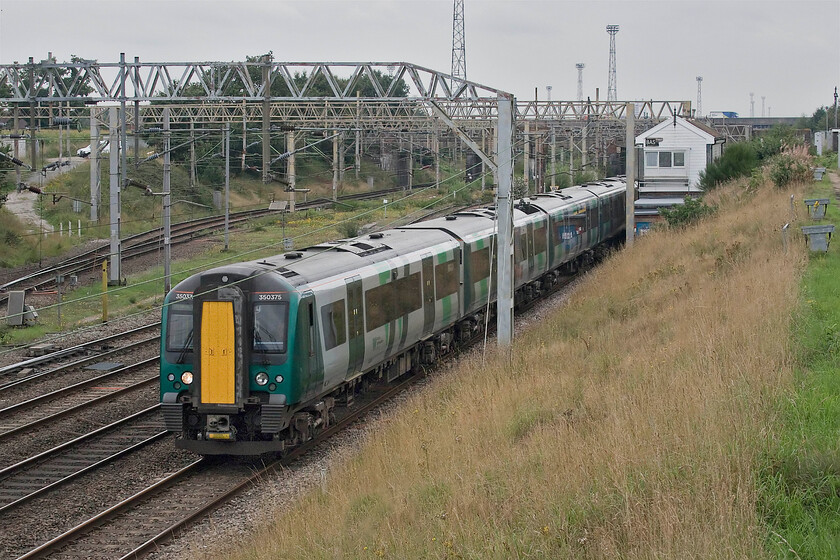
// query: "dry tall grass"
[[627, 425]]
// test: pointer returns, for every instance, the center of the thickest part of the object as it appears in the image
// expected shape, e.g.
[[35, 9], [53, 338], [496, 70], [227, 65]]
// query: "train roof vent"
[[286, 273], [377, 235], [451, 218], [293, 255], [374, 250], [363, 246], [267, 263]]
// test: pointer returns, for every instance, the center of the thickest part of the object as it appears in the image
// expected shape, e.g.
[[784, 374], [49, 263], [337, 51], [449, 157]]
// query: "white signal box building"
[[675, 152]]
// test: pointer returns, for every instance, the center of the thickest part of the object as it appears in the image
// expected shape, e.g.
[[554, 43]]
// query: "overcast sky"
[[787, 51]]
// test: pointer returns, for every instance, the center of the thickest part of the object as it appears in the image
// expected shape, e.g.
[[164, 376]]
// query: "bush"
[[349, 229], [686, 214], [738, 160], [790, 167]]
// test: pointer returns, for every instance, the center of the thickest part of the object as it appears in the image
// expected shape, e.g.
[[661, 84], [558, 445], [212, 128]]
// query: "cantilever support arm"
[[441, 114]]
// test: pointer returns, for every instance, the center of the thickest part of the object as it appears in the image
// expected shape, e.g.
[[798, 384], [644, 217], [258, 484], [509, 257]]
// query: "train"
[[256, 356]]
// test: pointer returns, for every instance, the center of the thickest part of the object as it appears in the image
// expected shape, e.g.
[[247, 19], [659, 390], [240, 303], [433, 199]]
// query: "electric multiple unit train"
[[255, 356]]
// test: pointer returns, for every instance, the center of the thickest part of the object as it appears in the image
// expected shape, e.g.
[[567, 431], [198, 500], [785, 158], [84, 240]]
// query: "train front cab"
[[226, 372]]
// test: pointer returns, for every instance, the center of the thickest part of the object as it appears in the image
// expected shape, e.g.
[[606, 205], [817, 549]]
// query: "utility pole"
[[459, 53], [137, 125], [611, 86], [114, 188], [94, 166], [504, 217], [167, 205], [122, 144], [580, 66], [762, 106], [630, 173], [227, 186], [699, 92], [266, 119]]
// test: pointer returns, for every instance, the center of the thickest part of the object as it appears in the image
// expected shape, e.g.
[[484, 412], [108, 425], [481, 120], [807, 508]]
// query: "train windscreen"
[[271, 327], [179, 327]]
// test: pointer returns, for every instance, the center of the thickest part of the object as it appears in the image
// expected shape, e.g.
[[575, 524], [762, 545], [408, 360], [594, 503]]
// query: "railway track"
[[64, 463], [33, 413], [152, 241], [143, 521], [99, 345]]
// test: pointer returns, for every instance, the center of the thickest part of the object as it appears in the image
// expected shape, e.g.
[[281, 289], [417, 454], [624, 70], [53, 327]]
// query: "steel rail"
[[110, 394], [72, 350]]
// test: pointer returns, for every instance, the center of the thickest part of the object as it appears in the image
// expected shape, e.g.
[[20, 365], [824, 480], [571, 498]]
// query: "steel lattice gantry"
[[396, 94]]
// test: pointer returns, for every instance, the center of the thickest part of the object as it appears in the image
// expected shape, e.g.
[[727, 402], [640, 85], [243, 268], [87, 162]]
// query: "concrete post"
[[290, 162], [266, 121], [137, 125], [114, 272], [95, 195], [630, 202], [167, 204], [526, 156], [504, 212], [227, 186], [122, 144], [335, 166], [553, 160]]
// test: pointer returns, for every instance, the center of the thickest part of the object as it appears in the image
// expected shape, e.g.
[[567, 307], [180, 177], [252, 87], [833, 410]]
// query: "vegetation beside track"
[[799, 480], [638, 422]]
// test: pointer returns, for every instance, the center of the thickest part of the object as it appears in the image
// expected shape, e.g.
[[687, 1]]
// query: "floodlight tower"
[[611, 89], [762, 106], [548, 93], [752, 105], [699, 98], [580, 66], [459, 56]]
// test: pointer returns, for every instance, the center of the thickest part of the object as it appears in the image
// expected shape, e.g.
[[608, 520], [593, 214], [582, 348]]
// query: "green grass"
[[800, 483]]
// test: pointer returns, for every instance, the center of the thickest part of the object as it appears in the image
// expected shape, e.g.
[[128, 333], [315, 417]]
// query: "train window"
[[179, 327], [540, 241], [379, 306], [447, 281], [334, 323], [521, 247], [480, 264], [408, 292], [270, 327]]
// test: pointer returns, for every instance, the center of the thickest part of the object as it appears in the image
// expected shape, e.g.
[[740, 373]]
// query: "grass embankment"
[[631, 424], [800, 478]]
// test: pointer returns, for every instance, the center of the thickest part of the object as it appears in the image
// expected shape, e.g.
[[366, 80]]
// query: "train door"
[[428, 294], [355, 324]]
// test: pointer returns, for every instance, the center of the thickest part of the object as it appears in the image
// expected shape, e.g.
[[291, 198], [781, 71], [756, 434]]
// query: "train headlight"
[[171, 377], [261, 378], [187, 377]]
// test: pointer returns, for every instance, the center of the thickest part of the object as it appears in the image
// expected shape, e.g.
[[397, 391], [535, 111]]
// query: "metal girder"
[[228, 81], [488, 160]]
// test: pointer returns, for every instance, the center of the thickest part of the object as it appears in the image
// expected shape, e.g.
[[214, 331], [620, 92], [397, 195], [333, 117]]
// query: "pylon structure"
[[699, 102], [611, 88], [580, 66], [459, 56]]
